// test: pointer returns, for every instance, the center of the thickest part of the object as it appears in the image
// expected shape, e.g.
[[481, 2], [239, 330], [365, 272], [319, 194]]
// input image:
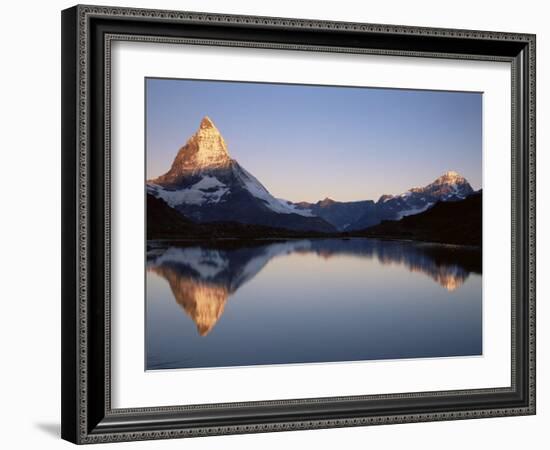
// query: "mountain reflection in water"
[[203, 276]]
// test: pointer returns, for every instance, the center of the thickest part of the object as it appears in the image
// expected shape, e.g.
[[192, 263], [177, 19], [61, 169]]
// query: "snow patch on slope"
[[207, 263], [208, 190], [412, 211], [295, 208]]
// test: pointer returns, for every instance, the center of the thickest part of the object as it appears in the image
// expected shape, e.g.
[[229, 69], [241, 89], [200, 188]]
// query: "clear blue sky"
[[311, 142]]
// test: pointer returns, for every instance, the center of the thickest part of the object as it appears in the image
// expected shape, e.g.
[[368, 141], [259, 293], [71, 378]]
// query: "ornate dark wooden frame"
[[87, 34]]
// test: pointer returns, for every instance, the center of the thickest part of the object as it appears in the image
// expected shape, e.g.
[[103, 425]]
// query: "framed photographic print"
[[281, 224]]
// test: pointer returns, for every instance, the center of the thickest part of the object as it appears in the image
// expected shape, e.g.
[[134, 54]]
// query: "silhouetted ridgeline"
[[164, 222], [457, 222]]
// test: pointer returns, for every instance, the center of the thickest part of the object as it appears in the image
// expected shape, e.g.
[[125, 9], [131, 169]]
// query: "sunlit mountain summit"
[[206, 185]]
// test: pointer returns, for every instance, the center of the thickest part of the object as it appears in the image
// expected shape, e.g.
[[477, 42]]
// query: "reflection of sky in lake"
[[310, 301]]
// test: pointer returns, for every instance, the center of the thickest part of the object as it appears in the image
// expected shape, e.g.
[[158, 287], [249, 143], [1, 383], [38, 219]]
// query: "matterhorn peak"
[[206, 122], [206, 149]]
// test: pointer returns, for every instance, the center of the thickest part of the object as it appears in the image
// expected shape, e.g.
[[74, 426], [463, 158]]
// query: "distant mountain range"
[[348, 216], [457, 222], [205, 185]]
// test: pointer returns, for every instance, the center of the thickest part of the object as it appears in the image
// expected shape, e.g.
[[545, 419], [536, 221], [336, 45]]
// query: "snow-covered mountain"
[[448, 187], [206, 185], [347, 216]]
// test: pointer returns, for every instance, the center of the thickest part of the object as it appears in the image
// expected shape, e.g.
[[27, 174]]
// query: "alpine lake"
[[238, 303]]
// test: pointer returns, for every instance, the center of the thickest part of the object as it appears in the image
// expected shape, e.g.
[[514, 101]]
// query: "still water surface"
[[302, 301]]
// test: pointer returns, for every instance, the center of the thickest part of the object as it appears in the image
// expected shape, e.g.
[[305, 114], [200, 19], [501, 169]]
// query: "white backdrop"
[[30, 161]]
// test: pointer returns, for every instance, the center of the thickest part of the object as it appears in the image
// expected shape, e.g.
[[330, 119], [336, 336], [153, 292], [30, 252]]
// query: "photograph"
[[298, 224], [272, 222]]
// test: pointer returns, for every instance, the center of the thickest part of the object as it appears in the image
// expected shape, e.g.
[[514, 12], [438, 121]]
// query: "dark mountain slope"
[[458, 222], [164, 222]]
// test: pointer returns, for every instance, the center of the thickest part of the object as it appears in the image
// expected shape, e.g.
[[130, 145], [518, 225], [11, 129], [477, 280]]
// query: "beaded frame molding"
[[87, 35]]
